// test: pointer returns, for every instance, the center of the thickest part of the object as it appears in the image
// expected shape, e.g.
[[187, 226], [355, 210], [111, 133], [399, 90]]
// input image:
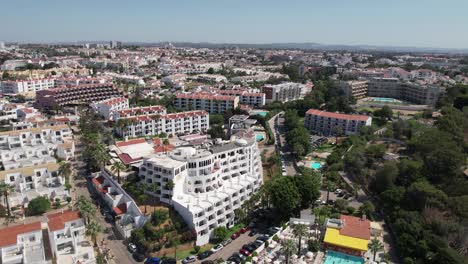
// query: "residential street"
[[280, 142]]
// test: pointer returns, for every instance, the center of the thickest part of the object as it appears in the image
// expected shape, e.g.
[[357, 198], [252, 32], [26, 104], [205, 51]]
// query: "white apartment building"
[[136, 111], [171, 124], [212, 103], [34, 181], [246, 97], [75, 81], [212, 78], [26, 86], [22, 244], [329, 123], [127, 214], [67, 238], [284, 92], [107, 106], [210, 181], [33, 146]]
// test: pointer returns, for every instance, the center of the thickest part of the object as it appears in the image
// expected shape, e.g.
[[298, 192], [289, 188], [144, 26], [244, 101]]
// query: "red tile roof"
[[336, 115], [98, 181], [57, 221], [130, 142], [355, 227], [10, 234], [120, 209], [126, 159], [163, 148]]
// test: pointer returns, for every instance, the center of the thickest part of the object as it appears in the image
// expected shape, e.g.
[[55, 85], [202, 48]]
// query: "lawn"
[[181, 254], [325, 148]]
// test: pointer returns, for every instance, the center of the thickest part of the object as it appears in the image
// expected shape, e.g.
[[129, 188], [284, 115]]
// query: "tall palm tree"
[[143, 197], [86, 207], [154, 187], [300, 230], [5, 190], [65, 169], [92, 230], [117, 167], [375, 246], [288, 248]]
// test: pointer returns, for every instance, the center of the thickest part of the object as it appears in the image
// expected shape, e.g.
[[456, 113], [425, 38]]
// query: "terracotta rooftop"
[[57, 221], [10, 234], [336, 115], [355, 227], [120, 209]]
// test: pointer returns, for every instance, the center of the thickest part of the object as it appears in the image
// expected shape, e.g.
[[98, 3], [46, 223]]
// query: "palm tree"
[[288, 248], [299, 231], [92, 230], [117, 167], [86, 207], [143, 197], [170, 185], [375, 246], [5, 190], [65, 170], [154, 187]]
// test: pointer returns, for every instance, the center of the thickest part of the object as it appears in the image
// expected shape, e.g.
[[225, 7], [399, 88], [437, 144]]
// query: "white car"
[[217, 248], [338, 191], [189, 259]]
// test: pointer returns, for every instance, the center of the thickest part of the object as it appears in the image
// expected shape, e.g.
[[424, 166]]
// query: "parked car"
[[347, 196], [245, 252], [217, 248], [234, 259], [204, 255], [253, 233], [132, 248], [337, 191], [264, 237], [249, 248], [256, 244], [226, 242], [189, 259], [235, 235], [244, 229], [169, 261], [152, 261], [138, 257]]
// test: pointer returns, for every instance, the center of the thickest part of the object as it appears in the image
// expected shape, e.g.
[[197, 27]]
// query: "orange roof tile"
[[57, 221], [10, 234], [355, 227]]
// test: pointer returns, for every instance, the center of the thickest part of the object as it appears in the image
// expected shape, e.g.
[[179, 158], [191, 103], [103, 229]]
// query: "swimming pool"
[[385, 100], [262, 114], [334, 257], [259, 137], [315, 165]]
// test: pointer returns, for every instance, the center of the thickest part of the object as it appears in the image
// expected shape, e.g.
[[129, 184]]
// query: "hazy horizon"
[[432, 24]]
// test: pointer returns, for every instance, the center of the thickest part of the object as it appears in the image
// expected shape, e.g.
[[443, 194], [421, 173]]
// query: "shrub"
[[350, 210], [38, 205], [196, 249]]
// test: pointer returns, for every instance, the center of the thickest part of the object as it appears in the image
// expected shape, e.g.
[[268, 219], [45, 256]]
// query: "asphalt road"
[[278, 129]]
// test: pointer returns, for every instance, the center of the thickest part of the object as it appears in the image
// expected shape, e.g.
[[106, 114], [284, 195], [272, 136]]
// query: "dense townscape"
[[112, 152]]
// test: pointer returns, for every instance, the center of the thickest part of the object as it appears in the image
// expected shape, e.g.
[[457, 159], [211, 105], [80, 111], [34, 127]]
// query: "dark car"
[[152, 261], [256, 244], [138, 257], [253, 233], [204, 255], [249, 248], [234, 259], [263, 238], [169, 261]]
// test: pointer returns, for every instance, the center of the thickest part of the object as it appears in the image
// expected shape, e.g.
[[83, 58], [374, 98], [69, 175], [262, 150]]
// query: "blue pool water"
[[385, 100], [263, 114], [259, 137], [315, 165], [334, 257]]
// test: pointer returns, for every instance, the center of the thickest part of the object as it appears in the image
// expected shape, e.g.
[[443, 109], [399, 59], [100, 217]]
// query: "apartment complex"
[[33, 146], [284, 92], [67, 238], [81, 94], [34, 181], [212, 103], [329, 123], [356, 89], [246, 97], [137, 111], [210, 181], [171, 124], [26, 86], [127, 214], [22, 244], [106, 107], [426, 94], [60, 237]]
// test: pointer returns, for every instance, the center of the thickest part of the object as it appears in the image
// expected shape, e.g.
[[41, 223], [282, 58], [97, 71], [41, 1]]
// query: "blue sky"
[[423, 23]]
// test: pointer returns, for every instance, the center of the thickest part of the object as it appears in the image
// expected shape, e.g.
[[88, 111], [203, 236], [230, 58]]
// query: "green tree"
[[117, 167], [288, 248], [284, 195], [65, 169], [308, 185], [386, 176], [375, 246], [143, 197], [92, 230], [367, 208], [220, 233], [38, 205], [385, 113], [86, 207], [300, 231], [5, 191]]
